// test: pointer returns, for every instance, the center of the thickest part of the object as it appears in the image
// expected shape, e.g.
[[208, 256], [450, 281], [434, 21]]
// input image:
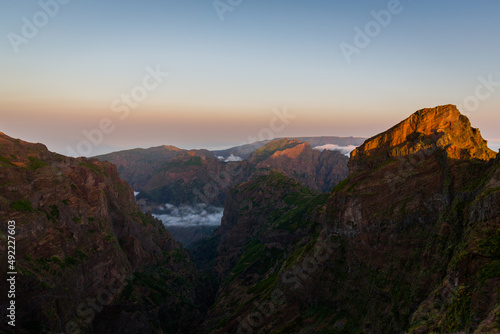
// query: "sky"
[[90, 77]]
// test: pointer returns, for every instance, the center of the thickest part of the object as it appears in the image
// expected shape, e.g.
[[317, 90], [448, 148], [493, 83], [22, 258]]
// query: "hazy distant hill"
[[244, 151]]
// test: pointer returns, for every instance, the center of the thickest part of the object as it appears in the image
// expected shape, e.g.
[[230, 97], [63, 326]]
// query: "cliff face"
[[79, 237], [407, 243], [265, 221], [442, 128], [467, 297], [404, 216], [319, 171]]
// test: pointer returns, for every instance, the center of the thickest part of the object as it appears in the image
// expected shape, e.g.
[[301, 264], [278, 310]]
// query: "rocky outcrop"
[[426, 130], [81, 241]]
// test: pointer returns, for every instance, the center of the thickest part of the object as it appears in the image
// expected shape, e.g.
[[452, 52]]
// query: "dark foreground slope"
[[409, 242], [83, 245]]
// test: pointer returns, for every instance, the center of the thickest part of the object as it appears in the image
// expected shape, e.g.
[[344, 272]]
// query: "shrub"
[[23, 205], [35, 163]]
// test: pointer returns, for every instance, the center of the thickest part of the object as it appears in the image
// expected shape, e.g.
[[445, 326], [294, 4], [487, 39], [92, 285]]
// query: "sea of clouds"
[[333, 147], [189, 215]]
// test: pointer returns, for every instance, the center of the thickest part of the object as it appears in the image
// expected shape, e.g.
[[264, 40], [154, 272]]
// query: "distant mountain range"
[[167, 174], [244, 151]]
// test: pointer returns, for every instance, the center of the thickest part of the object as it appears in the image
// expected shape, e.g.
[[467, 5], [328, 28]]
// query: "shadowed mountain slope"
[[83, 244], [408, 243]]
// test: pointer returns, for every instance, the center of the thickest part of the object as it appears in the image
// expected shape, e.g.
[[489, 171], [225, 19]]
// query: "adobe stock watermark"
[[31, 27], [277, 124], [122, 106], [223, 6], [484, 90], [363, 37]]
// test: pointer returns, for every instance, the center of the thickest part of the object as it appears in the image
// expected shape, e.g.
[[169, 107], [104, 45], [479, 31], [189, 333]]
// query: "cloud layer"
[[332, 147], [231, 158], [184, 215]]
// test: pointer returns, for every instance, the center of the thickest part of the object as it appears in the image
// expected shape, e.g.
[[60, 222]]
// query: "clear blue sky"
[[226, 76]]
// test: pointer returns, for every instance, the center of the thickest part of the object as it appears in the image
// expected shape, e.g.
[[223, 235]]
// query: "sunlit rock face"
[[441, 127]]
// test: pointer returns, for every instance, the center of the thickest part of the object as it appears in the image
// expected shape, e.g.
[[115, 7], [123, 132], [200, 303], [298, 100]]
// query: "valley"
[[402, 237]]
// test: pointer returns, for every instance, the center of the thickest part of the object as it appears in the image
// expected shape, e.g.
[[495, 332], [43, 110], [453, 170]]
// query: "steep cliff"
[[80, 241], [265, 221], [441, 128], [407, 243], [468, 296]]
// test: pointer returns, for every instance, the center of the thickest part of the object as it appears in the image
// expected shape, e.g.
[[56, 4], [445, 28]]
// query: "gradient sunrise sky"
[[227, 78]]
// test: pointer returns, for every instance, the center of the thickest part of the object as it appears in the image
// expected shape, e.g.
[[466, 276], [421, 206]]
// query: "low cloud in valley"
[[184, 215]]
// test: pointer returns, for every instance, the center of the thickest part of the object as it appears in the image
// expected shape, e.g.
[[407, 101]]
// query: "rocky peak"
[[271, 148], [440, 128], [293, 152], [18, 151], [171, 148]]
